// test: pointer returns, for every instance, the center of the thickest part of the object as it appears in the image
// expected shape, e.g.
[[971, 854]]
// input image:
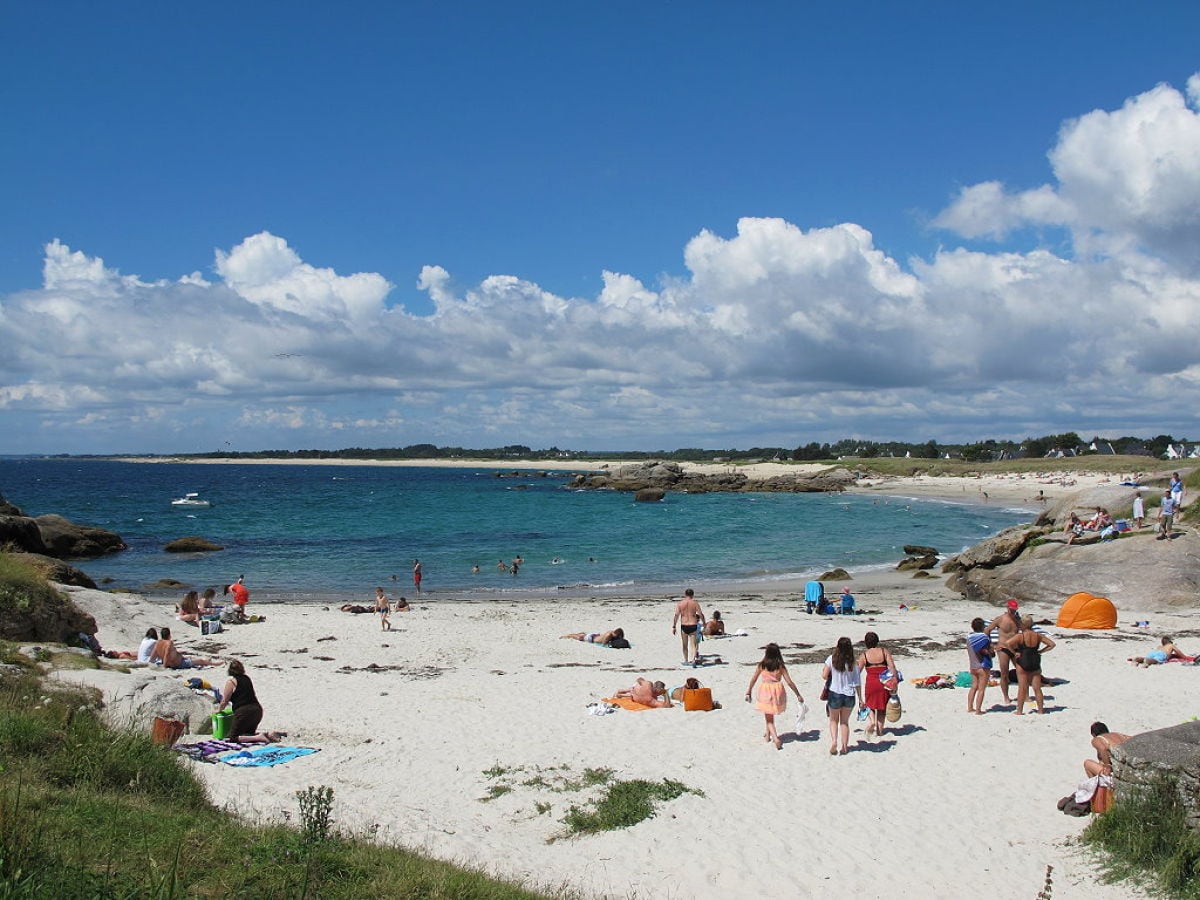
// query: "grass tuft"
[[624, 803]]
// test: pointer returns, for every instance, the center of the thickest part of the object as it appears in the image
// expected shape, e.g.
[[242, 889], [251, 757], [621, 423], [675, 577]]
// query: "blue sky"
[[594, 225]]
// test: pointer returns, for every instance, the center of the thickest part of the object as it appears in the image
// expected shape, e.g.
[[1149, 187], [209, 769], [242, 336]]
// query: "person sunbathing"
[[715, 627], [166, 654], [1167, 651], [677, 693], [597, 637], [189, 609], [646, 693]]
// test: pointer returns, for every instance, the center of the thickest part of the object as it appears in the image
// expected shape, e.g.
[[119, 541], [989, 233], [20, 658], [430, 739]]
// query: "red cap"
[[1012, 604]]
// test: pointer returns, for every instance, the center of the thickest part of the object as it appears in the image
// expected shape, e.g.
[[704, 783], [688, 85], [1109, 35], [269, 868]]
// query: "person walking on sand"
[[841, 674], [875, 661], [417, 575], [979, 662], [1008, 623], [1166, 516], [689, 618], [1103, 741], [1029, 645], [383, 606], [1139, 511], [772, 698]]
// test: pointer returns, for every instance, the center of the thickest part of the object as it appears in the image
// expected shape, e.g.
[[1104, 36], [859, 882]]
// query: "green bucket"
[[222, 723]]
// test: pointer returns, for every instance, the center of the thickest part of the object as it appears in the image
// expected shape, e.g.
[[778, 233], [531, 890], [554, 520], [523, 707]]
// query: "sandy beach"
[[409, 722]]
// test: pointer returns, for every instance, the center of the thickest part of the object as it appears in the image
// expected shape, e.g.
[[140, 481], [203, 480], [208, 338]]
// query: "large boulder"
[[649, 495], [1117, 499], [192, 545], [994, 551], [7, 509], [34, 610], [1173, 753], [134, 700], [21, 533], [55, 569], [67, 540]]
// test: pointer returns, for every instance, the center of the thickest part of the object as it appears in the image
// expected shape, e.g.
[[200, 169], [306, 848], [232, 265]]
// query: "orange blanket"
[[629, 703]]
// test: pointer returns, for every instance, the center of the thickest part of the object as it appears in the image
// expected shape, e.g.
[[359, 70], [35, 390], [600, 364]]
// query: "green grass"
[[89, 812], [624, 803], [1144, 837], [22, 587]]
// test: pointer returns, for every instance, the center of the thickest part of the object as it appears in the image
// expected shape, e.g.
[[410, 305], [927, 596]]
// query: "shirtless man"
[[1009, 624], [1103, 741], [646, 693], [168, 656], [689, 618]]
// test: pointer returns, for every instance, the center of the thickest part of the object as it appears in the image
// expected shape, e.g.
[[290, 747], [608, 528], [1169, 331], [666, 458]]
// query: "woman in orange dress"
[[772, 698]]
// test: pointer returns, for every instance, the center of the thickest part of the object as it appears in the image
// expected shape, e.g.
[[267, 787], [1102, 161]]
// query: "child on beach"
[[1167, 651], [383, 606], [979, 661], [772, 698]]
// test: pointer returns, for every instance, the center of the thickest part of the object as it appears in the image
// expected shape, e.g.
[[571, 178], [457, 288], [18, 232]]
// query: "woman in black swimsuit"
[[1028, 646]]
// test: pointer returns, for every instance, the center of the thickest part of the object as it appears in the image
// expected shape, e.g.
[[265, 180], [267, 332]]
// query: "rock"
[[994, 551], [38, 612], [66, 540], [7, 509], [192, 545], [1173, 753], [836, 575], [1116, 499], [917, 562], [147, 695], [649, 495], [921, 573], [918, 550], [22, 533], [670, 476], [56, 570], [165, 584]]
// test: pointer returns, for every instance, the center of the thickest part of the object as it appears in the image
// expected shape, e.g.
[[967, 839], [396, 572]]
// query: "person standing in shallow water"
[[417, 575]]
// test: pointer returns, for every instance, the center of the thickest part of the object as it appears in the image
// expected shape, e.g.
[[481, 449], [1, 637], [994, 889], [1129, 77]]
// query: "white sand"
[[954, 806]]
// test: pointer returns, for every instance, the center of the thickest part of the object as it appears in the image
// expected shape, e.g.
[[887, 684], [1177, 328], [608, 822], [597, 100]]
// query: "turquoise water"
[[331, 532]]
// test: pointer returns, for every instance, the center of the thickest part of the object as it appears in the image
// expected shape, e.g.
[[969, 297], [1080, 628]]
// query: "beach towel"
[[629, 703], [265, 755], [206, 751]]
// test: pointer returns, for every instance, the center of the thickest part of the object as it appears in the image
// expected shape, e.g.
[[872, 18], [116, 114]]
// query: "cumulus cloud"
[[776, 334]]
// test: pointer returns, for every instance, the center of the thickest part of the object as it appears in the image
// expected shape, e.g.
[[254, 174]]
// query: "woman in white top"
[[147, 645], [841, 672]]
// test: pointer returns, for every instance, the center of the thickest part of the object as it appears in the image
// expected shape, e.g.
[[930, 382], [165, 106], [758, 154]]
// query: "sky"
[[595, 226]]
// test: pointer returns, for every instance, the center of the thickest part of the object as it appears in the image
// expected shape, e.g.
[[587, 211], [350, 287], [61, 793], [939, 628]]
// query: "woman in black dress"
[[238, 692]]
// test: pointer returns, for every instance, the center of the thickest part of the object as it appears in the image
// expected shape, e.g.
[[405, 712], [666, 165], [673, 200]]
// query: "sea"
[[332, 533]]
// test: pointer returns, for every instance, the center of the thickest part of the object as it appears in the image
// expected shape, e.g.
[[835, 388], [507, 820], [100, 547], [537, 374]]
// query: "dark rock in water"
[[192, 545], [917, 562], [66, 540], [22, 533], [649, 495], [918, 550], [836, 575], [56, 569], [670, 476], [164, 584], [7, 509]]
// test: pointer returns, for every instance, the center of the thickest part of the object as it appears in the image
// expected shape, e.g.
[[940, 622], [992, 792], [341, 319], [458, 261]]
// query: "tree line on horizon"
[[1065, 444]]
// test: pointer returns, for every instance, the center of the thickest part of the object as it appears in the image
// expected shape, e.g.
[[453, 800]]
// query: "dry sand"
[[945, 805]]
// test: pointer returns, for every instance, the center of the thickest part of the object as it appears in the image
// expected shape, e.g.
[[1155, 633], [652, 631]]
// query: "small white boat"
[[192, 499]]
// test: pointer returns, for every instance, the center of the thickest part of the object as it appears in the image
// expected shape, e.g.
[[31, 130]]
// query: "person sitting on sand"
[[691, 684], [206, 604], [647, 693], [189, 609], [1166, 652], [402, 605], [847, 602], [166, 654], [146, 647], [597, 637], [715, 627], [1103, 741], [238, 692]]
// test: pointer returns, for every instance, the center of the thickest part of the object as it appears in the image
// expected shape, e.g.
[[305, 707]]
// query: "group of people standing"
[[1018, 646]]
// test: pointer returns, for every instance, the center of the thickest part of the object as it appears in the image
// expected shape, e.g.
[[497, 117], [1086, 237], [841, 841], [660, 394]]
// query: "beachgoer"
[[417, 575], [597, 637], [189, 608], [502, 566], [646, 693], [1139, 510], [1008, 623], [402, 605], [1103, 741], [772, 698], [241, 596], [691, 684], [1166, 516], [714, 627], [238, 692], [847, 602], [383, 606], [519, 560], [689, 618], [147, 645], [842, 674], [475, 569], [979, 662], [166, 654], [1177, 490], [206, 604], [1028, 646], [1167, 651], [356, 608], [875, 661], [516, 566], [1074, 528]]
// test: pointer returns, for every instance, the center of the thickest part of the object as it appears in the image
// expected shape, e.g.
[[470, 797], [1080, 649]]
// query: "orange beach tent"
[[1084, 610]]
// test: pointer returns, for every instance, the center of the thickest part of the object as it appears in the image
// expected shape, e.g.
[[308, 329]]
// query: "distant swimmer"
[[502, 566], [475, 569], [556, 561]]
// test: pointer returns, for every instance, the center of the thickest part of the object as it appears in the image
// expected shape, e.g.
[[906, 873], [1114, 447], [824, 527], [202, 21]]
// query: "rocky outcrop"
[[38, 612], [1172, 753], [1117, 499], [55, 570], [192, 545], [835, 575], [65, 539], [670, 476], [994, 551], [7, 509], [19, 532], [650, 495]]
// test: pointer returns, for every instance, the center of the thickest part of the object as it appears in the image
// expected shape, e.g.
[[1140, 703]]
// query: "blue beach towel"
[[266, 755]]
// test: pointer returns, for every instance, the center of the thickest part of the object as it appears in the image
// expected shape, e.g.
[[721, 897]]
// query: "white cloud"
[[775, 335]]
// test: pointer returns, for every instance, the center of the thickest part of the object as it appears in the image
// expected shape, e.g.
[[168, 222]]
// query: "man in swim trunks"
[[1008, 623], [689, 618], [417, 575]]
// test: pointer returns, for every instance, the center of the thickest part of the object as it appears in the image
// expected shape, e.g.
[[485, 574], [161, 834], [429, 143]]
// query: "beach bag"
[[210, 626], [166, 731], [697, 699], [801, 715], [894, 709], [1102, 799], [825, 689]]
